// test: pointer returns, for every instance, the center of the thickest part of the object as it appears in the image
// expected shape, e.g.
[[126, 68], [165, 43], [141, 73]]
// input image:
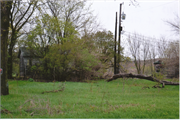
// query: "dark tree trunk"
[[10, 53], [5, 12]]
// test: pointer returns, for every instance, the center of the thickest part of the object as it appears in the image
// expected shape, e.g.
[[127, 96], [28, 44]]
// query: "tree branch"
[[23, 15], [28, 16]]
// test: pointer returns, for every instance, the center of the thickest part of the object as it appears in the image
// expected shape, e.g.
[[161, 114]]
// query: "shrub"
[[31, 80]]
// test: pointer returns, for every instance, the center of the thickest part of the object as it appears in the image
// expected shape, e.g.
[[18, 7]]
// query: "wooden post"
[[115, 72], [119, 40]]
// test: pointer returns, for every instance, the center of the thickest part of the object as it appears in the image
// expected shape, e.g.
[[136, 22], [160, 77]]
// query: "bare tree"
[[20, 15], [135, 44], [145, 53], [139, 49], [162, 46], [152, 55]]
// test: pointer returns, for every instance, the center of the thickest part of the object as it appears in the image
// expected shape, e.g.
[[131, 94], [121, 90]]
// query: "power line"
[[154, 44], [149, 39]]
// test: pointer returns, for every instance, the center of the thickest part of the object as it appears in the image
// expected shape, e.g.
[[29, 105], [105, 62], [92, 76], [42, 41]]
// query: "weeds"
[[40, 107]]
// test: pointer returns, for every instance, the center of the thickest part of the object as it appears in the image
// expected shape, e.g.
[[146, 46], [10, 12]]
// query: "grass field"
[[98, 99]]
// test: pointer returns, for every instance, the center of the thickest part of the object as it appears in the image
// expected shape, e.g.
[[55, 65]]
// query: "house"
[[26, 61], [158, 65]]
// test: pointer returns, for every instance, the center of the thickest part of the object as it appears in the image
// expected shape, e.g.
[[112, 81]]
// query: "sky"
[[148, 18]]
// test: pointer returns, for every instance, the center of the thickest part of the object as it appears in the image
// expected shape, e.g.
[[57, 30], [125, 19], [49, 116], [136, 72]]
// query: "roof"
[[26, 53], [157, 62]]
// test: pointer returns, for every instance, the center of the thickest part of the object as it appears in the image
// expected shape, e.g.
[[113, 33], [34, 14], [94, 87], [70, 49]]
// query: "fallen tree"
[[151, 78]]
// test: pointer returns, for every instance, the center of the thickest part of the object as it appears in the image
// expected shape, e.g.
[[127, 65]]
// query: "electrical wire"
[[155, 44], [149, 39]]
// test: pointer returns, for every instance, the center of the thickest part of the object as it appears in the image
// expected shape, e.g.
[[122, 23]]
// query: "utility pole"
[[119, 40], [115, 72]]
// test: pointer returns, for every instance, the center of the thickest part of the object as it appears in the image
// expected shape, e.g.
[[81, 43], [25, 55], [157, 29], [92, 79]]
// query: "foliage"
[[102, 44], [30, 80], [68, 58], [158, 75], [97, 99], [64, 53], [46, 28], [65, 56], [33, 68], [48, 31]]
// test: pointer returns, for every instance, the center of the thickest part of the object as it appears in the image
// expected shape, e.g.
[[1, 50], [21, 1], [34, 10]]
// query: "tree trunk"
[[10, 53], [130, 75], [9, 64], [5, 12]]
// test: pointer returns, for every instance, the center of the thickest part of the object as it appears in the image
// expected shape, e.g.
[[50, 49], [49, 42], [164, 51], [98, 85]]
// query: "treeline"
[[64, 36], [73, 59], [146, 51]]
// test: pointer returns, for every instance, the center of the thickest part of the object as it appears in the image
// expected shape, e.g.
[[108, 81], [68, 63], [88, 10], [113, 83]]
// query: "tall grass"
[[97, 99]]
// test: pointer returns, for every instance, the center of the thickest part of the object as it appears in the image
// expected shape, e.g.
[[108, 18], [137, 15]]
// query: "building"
[[158, 65], [26, 61]]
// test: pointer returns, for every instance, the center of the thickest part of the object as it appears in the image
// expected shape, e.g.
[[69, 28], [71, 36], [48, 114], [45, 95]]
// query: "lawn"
[[119, 99]]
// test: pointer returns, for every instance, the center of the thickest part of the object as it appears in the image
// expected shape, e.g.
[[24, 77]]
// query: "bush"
[[31, 80]]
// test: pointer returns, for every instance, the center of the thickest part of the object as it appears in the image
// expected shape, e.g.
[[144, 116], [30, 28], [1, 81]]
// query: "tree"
[[172, 50], [48, 32], [61, 56], [69, 61], [169, 52], [75, 12], [173, 58], [139, 49], [19, 17], [102, 43], [5, 12]]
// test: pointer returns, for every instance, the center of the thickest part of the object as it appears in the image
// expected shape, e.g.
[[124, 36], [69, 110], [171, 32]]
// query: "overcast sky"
[[146, 19]]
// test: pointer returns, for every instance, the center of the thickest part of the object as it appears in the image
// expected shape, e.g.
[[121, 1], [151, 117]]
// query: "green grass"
[[99, 99]]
